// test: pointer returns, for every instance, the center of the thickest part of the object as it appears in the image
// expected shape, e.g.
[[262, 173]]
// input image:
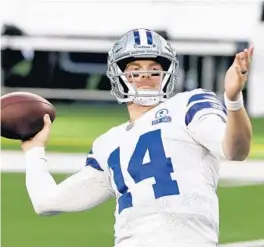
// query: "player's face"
[[135, 74]]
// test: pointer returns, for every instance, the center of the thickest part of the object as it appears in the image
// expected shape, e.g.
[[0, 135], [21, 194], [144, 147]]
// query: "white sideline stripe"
[[255, 243], [231, 173]]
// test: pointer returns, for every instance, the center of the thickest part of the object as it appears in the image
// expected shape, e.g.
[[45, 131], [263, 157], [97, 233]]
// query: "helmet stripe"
[[149, 38], [136, 37]]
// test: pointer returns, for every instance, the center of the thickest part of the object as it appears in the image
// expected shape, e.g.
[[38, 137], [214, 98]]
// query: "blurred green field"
[[241, 218], [77, 125]]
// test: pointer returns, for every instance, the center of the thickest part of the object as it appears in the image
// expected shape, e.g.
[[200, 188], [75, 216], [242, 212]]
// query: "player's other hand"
[[237, 74], [41, 138]]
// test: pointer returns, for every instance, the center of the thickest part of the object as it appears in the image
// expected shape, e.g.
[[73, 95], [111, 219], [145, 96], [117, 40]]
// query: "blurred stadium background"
[[58, 49]]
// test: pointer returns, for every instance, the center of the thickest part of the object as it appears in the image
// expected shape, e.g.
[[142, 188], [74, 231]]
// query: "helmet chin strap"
[[144, 100]]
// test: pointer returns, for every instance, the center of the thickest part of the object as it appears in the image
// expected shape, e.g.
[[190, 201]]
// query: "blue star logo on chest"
[[161, 116]]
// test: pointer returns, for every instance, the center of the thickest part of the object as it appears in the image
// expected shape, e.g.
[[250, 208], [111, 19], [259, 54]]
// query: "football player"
[[162, 165]]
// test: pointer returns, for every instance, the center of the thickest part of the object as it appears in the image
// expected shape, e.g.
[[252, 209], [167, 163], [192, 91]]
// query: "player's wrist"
[[36, 151], [28, 147], [234, 105]]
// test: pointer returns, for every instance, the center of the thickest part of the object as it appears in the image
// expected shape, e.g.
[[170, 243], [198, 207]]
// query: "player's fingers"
[[241, 65], [245, 61], [246, 57], [250, 51], [237, 62], [47, 121]]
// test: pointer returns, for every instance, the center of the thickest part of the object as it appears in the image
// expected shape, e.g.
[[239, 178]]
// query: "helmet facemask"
[[124, 86]]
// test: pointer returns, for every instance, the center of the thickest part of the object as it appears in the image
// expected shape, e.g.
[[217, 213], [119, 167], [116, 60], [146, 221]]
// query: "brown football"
[[22, 115]]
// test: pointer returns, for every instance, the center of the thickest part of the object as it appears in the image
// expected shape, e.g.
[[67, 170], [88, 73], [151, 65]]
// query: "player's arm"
[[212, 126], [81, 191], [224, 132], [238, 134]]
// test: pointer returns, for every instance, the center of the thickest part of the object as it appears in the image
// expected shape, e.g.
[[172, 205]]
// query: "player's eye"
[[155, 74], [135, 74], [131, 72]]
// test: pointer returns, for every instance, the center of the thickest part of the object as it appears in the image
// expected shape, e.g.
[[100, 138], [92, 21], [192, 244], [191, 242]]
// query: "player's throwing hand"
[[41, 138], [237, 74]]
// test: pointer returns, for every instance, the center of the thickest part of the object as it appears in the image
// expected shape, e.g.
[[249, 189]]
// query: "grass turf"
[[241, 217], [77, 125]]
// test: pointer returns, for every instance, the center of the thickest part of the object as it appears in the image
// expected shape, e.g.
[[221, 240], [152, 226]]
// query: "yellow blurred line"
[[257, 148]]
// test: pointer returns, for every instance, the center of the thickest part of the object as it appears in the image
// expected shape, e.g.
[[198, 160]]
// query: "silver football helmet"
[[142, 44]]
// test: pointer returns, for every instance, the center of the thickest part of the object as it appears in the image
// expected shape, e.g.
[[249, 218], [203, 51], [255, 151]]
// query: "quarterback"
[[162, 165]]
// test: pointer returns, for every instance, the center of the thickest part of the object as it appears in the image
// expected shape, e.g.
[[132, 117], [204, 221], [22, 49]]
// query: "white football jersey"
[[164, 179]]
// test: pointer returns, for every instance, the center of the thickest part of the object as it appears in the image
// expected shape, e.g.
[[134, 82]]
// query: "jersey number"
[[159, 167]]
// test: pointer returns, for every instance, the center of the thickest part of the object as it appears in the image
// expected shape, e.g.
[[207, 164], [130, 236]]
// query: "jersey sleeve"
[[81, 191], [205, 120]]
